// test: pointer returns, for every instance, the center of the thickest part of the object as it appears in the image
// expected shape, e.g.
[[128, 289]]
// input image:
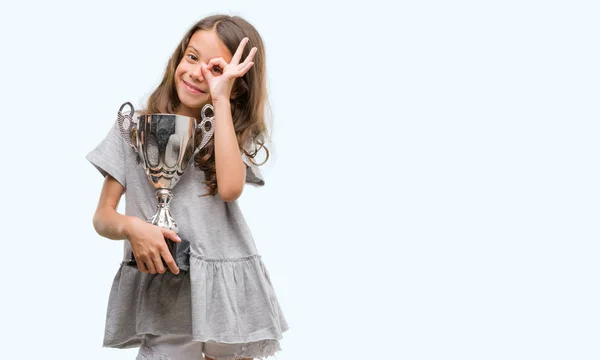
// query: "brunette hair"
[[249, 94]]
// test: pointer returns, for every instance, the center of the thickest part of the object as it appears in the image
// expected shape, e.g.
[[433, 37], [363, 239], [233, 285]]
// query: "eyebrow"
[[196, 50]]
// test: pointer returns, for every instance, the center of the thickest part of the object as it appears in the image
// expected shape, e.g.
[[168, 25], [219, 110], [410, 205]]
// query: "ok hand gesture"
[[221, 82]]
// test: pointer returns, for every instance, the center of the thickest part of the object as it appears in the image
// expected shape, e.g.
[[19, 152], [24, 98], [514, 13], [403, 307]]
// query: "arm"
[[107, 221], [231, 170], [147, 240]]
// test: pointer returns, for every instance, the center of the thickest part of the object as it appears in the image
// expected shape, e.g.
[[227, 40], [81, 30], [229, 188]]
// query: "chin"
[[192, 102]]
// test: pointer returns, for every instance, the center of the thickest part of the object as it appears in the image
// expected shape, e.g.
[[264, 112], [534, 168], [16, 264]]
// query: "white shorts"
[[181, 347]]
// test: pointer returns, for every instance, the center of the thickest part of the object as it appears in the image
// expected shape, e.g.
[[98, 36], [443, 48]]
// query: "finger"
[[170, 234], [141, 260], [157, 261], [150, 265], [238, 53], [220, 62], [206, 73], [142, 266], [250, 56], [171, 264], [245, 69]]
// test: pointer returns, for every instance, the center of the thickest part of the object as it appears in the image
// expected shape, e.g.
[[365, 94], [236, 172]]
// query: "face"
[[192, 88]]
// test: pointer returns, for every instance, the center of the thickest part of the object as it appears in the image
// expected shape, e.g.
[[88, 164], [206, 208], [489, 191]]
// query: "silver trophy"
[[165, 147]]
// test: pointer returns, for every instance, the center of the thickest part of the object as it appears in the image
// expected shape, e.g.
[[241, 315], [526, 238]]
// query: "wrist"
[[220, 100]]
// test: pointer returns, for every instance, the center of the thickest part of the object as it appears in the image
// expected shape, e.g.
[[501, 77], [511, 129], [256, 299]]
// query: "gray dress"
[[226, 296]]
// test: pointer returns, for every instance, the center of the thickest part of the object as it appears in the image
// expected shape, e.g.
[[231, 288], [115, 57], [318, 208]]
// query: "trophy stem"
[[163, 217]]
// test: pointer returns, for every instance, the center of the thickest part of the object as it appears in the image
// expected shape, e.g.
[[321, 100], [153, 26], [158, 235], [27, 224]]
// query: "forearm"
[[110, 224], [230, 168]]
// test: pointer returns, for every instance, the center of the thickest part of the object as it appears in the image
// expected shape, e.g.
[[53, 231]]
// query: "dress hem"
[[137, 340]]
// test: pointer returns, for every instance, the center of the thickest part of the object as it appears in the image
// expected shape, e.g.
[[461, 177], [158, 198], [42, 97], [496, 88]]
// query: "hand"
[[149, 246], [220, 85]]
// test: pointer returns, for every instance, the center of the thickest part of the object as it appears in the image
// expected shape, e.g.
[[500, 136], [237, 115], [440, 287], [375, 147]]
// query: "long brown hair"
[[249, 94]]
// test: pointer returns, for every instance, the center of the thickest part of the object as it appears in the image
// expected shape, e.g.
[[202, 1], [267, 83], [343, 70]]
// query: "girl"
[[223, 303]]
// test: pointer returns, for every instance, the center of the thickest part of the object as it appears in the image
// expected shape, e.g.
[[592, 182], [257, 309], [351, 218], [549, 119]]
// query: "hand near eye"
[[221, 81]]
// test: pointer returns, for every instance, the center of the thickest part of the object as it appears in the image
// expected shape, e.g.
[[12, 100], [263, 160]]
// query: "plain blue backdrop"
[[433, 190]]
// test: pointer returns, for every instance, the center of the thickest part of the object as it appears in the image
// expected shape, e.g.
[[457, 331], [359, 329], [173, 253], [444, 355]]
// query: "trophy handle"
[[131, 111], [128, 125], [206, 134]]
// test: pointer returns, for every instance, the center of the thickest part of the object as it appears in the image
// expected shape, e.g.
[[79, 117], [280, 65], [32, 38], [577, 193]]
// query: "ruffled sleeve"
[[253, 174], [109, 156]]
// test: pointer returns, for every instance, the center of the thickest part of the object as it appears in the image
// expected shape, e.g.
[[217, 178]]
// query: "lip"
[[191, 88]]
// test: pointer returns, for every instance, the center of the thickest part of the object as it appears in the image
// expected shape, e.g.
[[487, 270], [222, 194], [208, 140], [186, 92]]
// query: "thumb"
[[171, 235], [207, 74]]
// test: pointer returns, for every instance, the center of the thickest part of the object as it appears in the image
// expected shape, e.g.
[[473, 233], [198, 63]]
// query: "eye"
[[217, 70], [192, 57]]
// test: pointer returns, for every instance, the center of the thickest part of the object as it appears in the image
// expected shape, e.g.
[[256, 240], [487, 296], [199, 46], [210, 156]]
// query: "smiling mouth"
[[192, 88]]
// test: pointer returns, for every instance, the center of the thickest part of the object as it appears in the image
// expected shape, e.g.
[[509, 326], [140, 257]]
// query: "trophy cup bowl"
[[165, 145]]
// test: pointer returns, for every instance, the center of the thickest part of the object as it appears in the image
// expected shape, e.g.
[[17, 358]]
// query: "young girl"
[[223, 303]]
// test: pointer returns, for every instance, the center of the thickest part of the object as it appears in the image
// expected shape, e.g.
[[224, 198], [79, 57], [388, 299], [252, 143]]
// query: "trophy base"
[[179, 251]]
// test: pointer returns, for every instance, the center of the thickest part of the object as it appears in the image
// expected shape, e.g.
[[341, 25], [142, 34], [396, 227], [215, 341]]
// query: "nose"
[[196, 73]]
